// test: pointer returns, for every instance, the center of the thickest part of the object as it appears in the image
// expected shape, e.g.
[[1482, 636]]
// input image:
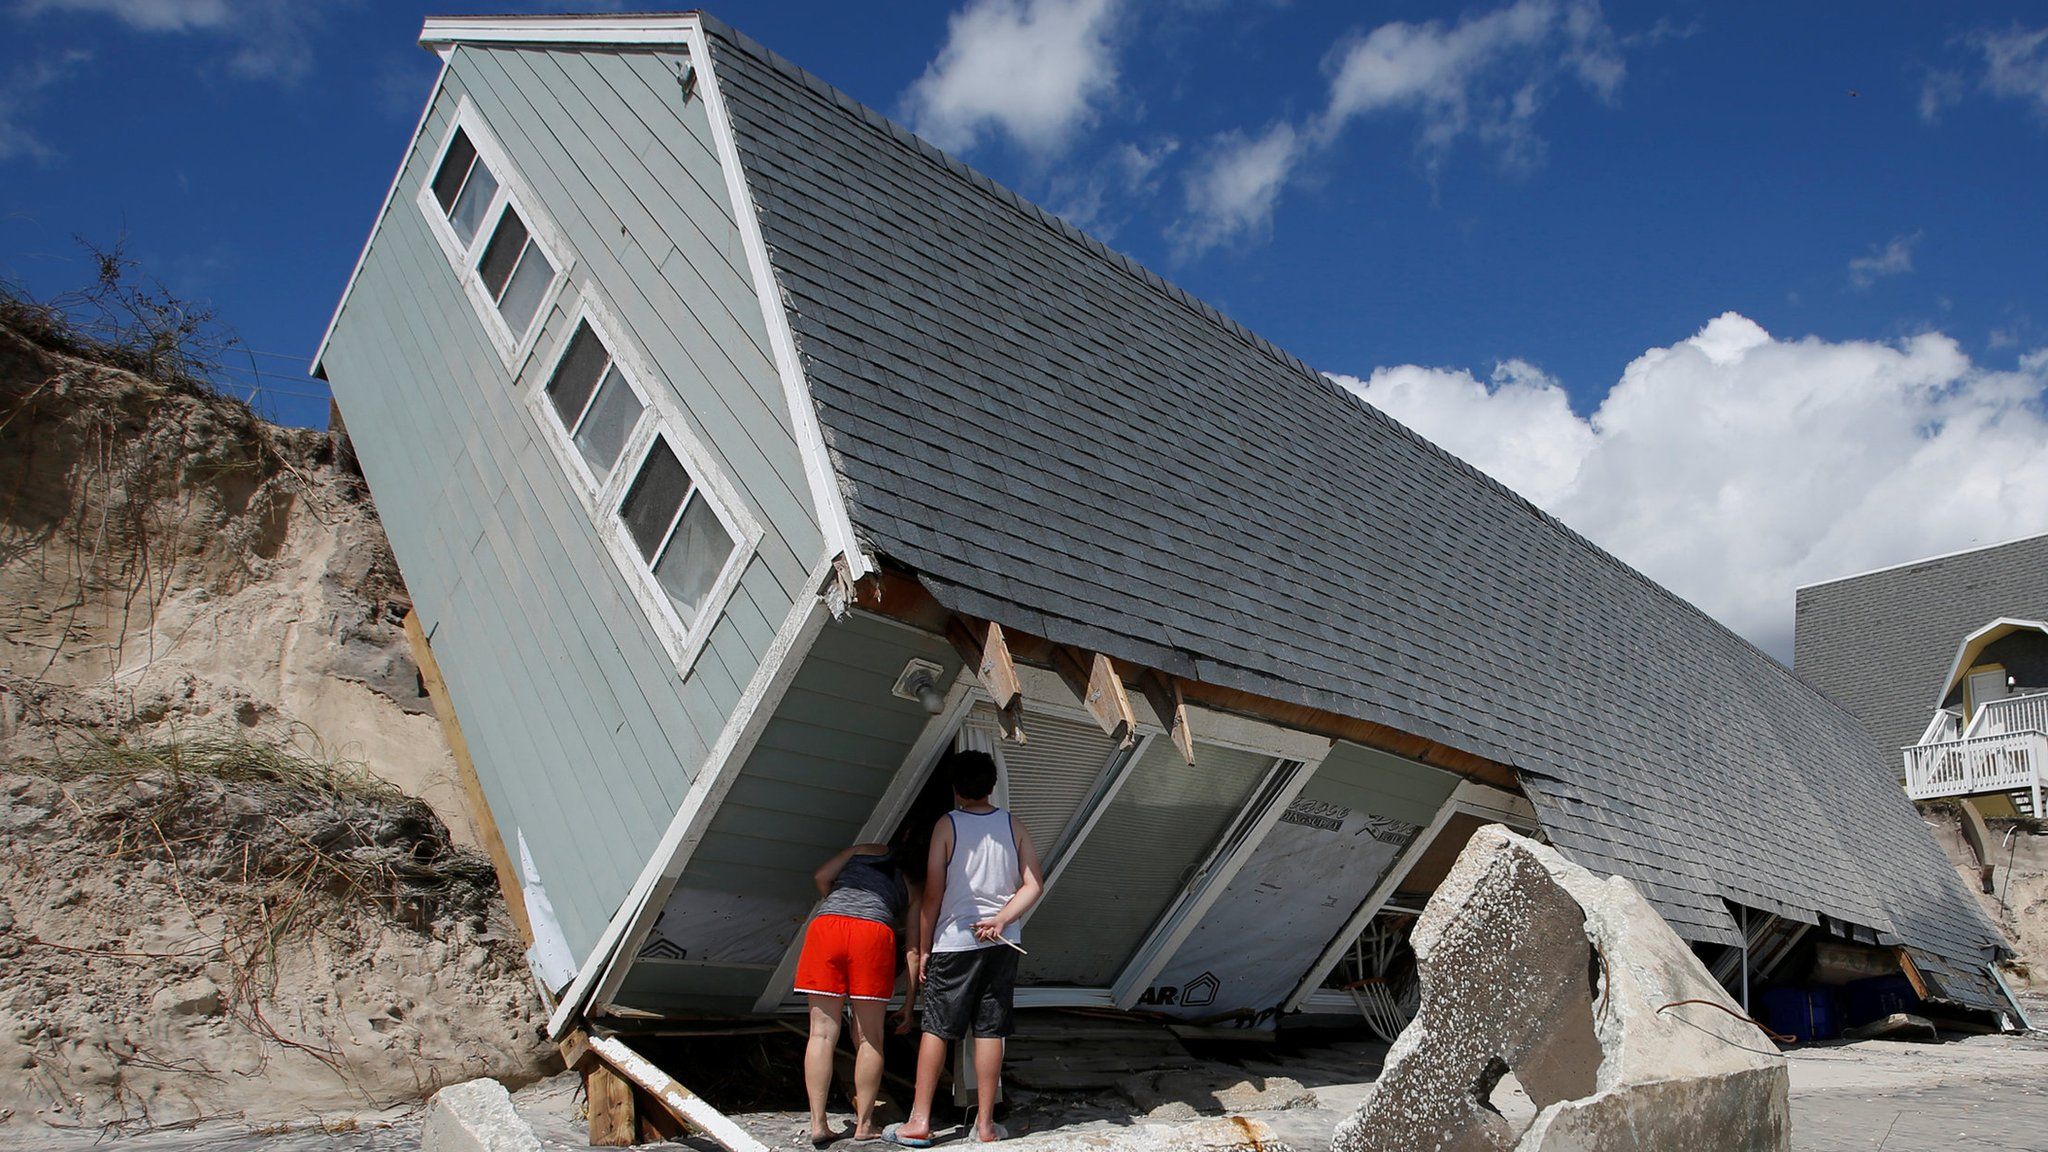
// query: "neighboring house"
[[743, 452], [1879, 642], [1942, 638]]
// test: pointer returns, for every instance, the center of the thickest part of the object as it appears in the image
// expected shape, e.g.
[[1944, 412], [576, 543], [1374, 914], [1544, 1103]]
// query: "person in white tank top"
[[981, 878]]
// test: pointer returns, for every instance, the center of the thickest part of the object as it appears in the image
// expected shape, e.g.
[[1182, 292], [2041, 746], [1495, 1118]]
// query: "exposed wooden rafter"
[[899, 596], [1163, 693], [1094, 679], [986, 651]]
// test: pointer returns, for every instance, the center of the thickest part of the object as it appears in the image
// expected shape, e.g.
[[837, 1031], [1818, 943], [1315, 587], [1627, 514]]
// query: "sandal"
[[893, 1134]]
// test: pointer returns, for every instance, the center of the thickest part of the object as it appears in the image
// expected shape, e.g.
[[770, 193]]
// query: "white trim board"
[[1956, 667], [834, 519], [601, 973], [597, 28]]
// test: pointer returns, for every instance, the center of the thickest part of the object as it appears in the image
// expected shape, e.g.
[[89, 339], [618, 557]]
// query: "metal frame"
[[1468, 798], [1278, 788]]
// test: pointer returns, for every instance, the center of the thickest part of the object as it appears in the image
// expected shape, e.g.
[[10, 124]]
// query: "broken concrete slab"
[[1897, 1026], [475, 1116], [1621, 1038]]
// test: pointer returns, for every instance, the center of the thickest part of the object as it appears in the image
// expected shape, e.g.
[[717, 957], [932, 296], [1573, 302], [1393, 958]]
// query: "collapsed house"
[[743, 453]]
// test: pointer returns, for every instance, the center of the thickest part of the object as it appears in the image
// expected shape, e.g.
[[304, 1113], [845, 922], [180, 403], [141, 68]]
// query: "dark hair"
[[972, 772]]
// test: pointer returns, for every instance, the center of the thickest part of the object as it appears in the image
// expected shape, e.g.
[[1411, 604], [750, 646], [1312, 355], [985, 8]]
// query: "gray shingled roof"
[[1881, 642], [1055, 438]]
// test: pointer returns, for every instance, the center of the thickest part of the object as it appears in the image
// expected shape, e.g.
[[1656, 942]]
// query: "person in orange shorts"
[[849, 956]]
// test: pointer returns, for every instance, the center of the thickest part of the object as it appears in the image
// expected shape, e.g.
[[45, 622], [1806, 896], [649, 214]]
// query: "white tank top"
[[981, 876]]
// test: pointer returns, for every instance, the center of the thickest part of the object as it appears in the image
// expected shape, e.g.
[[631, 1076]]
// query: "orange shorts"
[[847, 956]]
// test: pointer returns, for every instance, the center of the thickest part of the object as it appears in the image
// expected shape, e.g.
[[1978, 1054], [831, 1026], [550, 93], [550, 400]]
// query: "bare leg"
[[870, 1021], [931, 1060], [825, 1011], [988, 1071]]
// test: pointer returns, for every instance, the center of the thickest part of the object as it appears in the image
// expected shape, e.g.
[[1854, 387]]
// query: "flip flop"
[[893, 1134], [1002, 1133]]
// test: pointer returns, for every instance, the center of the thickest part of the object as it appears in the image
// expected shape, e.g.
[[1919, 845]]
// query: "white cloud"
[[1232, 191], [268, 39], [1894, 259], [1031, 69], [2011, 65], [1084, 193], [1733, 466], [2016, 65], [145, 15], [1488, 76], [21, 94], [1520, 422]]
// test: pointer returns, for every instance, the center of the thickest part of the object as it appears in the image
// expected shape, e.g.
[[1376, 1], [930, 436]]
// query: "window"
[[515, 272], [677, 533], [464, 186], [595, 405], [677, 530], [509, 258]]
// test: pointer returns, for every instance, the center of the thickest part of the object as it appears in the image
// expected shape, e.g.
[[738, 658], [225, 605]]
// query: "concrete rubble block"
[[1531, 964], [475, 1116]]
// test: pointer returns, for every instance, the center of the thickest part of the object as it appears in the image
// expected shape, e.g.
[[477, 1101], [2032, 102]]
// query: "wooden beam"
[[575, 1049], [1163, 693], [1305, 719], [465, 770], [1095, 681], [986, 651], [1912, 972], [680, 1102], [609, 1098]]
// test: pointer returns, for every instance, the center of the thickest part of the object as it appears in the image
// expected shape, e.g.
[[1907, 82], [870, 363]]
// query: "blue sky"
[[1750, 294]]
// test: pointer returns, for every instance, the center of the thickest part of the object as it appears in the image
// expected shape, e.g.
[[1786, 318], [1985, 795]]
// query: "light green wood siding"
[[585, 732], [835, 743]]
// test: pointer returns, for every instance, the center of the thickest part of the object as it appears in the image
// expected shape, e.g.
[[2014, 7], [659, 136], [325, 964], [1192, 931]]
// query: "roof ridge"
[[739, 40], [1918, 560]]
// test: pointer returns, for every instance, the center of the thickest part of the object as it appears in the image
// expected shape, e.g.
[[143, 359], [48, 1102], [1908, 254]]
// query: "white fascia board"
[[623, 936], [645, 28], [1966, 656], [834, 520], [313, 367]]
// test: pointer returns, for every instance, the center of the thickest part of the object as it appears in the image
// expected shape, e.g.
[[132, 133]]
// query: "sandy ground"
[[183, 590], [2018, 900], [1988, 1092]]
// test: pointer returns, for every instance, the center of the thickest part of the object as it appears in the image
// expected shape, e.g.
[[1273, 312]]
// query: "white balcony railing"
[[1974, 765], [2011, 714]]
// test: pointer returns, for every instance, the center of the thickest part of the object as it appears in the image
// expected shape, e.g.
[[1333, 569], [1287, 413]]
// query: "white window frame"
[[661, 418], [587, 308], [512, 195]]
